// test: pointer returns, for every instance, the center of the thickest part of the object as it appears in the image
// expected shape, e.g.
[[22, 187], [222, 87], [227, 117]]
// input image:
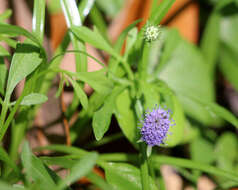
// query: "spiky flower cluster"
[[155, 126], [151, 33]]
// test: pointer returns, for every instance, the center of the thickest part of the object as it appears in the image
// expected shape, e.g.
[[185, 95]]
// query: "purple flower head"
[[155, 126]]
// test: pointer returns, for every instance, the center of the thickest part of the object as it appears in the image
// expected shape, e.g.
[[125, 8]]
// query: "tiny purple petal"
[[155, 126]]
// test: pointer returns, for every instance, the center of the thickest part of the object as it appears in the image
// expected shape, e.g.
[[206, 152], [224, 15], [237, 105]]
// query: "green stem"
[[3, 114], [144, 167], [4, 127], [127, 68], [143, 65]]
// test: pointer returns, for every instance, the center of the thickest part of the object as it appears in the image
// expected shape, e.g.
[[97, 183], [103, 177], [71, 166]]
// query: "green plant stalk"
[[73, 19], [3, 113], [143, 65], [144, 169], [38, 21], [10, 117]]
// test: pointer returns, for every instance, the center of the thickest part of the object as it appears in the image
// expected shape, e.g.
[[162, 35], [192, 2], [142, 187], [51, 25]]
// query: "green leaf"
[[126, 117], [200, 147], [35, 169], [33, 99], [190, 79], [226, 151], [228, 31], [97, 80], [5, 186], [15, 30], [94, 38], [172, 40], [80, 169], [3, 52], [177, 131], [62, 161], [85, 7], [210, 40], [229, 49], [98, 181], [130, 41], [80, 93], [160, 11], [102, 117], [5, 15], [111, 8], [124, 176], [3, 76], [228, 65], [25, 60], [216, 110], [63, 149]]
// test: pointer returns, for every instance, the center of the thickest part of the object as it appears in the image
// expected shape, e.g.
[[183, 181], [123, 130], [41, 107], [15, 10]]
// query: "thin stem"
[[143, 65], [144, 167], [5, 125], [127, 68], [3, 113]]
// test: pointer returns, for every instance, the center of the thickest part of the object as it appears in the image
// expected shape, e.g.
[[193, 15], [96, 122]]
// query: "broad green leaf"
[[226, 151], [33, 99], [151, 95], [5, 158], [126, 117], [172, 40], [3, 52], [187, 74], [80, 93], [177, 131], [3, 76], [94, 38], [80, 169], [25, 60], [124, 176], [35, 169], [102, 117], [216, 110], [200, 147], [38, 20]]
